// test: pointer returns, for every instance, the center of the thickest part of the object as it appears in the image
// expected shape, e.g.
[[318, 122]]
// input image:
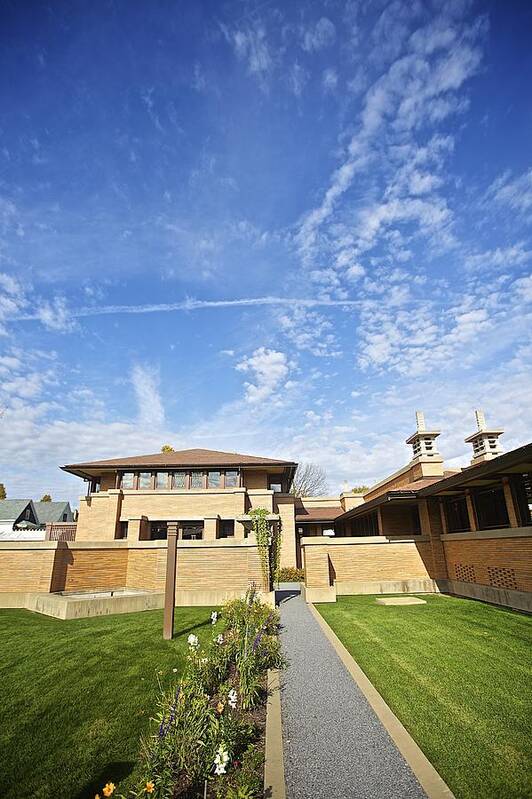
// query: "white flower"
[[221, 760], [193, 641], [219, 639], [204, 661], [214, 617], [232, 697], [175, 671]]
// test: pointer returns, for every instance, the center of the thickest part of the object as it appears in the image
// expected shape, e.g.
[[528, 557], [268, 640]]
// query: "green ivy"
[[268, 543]]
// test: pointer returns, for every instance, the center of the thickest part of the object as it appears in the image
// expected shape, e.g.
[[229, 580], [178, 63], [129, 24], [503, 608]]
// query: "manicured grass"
[[77, 695], [457, 674]]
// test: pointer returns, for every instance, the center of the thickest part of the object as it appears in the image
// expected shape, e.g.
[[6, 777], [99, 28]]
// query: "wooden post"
[[169, 589], [442, 516], [513, 517], [471, 511]]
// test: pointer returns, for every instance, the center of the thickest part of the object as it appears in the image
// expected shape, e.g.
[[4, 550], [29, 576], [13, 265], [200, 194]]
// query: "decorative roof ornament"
[[485, 441], [423, 442]]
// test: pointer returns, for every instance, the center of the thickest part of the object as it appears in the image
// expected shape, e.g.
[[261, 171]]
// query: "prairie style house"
[[423, 528], [208, 493]]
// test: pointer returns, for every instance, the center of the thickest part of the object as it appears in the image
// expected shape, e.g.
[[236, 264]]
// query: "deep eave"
[[517, 461], [181, 459]]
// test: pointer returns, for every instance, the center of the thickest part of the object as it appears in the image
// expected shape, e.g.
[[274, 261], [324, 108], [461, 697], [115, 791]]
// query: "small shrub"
[[291, 575]]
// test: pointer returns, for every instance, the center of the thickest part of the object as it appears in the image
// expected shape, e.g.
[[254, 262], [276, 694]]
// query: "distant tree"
[[167, 448], [360, 489], [3, 493], [310, 481], [46, 498]]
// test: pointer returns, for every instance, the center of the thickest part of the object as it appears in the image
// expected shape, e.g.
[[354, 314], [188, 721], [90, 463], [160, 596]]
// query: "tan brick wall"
[[156, 505], [146, 568], [474, 558], [107, 481], [393, 561], [98, 515], [81, 569], [225, 568], [255, 479], [397, 520], [284, 505], [26, 569], [316, 566]]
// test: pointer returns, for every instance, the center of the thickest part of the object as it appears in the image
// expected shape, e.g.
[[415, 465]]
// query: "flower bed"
[[208, 732]]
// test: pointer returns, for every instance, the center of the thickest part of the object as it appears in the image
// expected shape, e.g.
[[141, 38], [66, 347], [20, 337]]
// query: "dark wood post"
[[169, 589]]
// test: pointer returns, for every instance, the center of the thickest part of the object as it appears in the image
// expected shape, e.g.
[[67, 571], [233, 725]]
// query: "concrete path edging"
[[274, 781], [429, 779]]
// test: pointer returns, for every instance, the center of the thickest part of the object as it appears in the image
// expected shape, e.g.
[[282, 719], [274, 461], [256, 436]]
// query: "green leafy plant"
[[204, 739], [289, 574], [269, 545]]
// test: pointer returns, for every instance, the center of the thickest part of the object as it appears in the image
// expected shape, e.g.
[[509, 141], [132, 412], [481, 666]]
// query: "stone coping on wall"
[[317, 540], [219, 543], [479, 535]]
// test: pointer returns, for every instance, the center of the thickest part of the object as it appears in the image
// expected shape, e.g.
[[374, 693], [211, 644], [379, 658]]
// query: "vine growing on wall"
[[268, 543]]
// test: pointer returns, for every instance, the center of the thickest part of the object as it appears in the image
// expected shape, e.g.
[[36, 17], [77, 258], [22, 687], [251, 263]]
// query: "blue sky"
[[274, 228]]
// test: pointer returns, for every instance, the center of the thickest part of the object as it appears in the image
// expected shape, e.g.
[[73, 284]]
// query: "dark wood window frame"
[[456, 514], [494, 517]]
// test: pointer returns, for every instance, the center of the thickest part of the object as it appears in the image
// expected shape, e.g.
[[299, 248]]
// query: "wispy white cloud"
[[515, 192], [499, 258], [317, 37], [269, 369], [145, 382]]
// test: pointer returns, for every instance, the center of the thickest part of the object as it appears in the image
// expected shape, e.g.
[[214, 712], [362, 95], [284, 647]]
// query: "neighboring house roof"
[[48, 512], [11, 509], [181, 458], [317, 514]]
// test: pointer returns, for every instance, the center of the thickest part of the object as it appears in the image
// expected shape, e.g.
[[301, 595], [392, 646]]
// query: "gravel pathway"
[[334, 745]]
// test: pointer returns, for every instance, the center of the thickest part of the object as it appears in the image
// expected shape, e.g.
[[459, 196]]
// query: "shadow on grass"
[[179, 631], [112, 772]]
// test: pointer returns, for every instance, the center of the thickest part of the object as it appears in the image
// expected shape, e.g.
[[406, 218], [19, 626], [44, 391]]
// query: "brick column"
[[138, 529], [431, 525], [210, 528], [513, 516], [169, 588]]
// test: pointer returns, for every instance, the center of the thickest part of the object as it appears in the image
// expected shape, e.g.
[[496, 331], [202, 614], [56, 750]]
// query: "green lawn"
[[457, 673], [76, 696]]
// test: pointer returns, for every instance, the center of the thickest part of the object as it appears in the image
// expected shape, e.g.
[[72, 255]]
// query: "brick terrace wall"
[[26, 568], [64, 566], [364, 560], [498, 562]]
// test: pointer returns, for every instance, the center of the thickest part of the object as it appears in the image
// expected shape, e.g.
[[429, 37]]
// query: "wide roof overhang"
[[483, 475]]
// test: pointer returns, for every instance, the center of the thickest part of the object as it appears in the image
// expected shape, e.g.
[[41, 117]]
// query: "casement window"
[[179, 480], [196, 479], [214, 479], [521, 485], [456, 515], [161, 480], [490, 507], [128, 480], [158, 531], [365, 525], [145, 480], [191, 531], [226, 528], [231, 478], [275, 484]]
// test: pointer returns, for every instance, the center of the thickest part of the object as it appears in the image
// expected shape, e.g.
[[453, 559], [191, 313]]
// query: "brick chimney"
[[425, 449], [486, 444]]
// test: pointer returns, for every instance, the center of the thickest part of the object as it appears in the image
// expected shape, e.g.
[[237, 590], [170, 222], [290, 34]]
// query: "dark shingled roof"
[[317, 514], [48, 512], [180, 458], [11, 509]]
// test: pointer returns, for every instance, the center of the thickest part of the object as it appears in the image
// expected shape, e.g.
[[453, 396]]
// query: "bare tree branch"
[[310, 481]]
